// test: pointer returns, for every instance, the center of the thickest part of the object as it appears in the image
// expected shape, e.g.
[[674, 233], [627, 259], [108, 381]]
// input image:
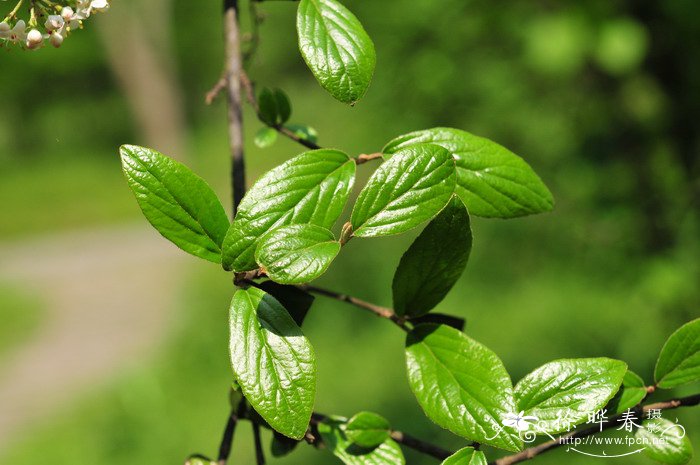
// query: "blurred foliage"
[[602, 98]]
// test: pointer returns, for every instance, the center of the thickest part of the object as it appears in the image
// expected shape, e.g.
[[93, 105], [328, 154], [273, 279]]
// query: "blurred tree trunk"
[[138, 38]]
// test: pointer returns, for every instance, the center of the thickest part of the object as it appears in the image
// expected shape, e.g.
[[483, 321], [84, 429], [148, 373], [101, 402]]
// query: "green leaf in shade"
[[310, 188], [336, 48], [568, 389], [265, 137], [297, 253], [367, 429], [440, 319], [492, 181], [461, 385], [665, 441], [303, 131], [434, 262], [199, 460], [272, 361], [387, 453], [679, 360], [274, 107], [177, 202], [296, 301], [632, 392], [466, 456], [282, 445], [409, 189]]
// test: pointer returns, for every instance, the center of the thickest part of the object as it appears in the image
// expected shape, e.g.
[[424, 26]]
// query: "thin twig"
[[564, 440], [215, 90], [259, 454], [382, 312], [234, 70], [364, 158], [227, 439]]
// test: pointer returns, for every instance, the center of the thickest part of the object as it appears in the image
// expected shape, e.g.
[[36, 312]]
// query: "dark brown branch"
[[259, 454], [534, 451], [233, 72], [382, 312], [227, 439]]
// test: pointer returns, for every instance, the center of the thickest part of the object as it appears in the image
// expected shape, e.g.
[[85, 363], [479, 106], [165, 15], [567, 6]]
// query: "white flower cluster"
[[56, 27]]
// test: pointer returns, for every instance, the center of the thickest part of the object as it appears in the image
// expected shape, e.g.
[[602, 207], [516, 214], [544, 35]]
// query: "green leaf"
[[177, 202], [297, 253], [492, 181], [282, 445], [440, 319], [466, 456], [665, 441], [388, 453], [303, 131], [336, 48], [434, 262], [274, 108], [461, 385], [265, 137], [367, 429], [272, 361], [633, 391], [293, 299], [409, 189], [199, 460], [310, 188], [679, 361], [568, 389]]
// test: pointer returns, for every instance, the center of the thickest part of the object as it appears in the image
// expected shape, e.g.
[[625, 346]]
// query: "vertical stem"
[[259, 454], [233, 72]]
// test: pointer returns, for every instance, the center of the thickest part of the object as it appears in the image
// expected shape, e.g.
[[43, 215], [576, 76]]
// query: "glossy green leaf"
[[310, 188], [665, 441], [461, 385], [679, 361], [632, 392], [272, 361], [282, 445], [492, 181], [303, 131], [367, 429], [466, 456], [440, 319], [274, 108], [568, 389], [177, 202], [297, 253], [265, 137], [409, 189], [434, 262], [388, 453], [296, 301], [336, 48]]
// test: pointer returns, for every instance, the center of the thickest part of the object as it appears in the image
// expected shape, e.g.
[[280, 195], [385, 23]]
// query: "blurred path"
[[107, 303]]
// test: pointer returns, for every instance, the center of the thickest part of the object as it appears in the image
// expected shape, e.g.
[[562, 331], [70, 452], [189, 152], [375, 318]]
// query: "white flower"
[[54, 23], [56, 39], [34, 39], [519, 421], [4, 30], [18, 33], [67, 13], [99, 5]]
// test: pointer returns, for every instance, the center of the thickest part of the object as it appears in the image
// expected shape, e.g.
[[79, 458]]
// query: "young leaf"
[[282, 445], [461, 385], [274, 107], [303, 132], [679, 361], [297, 253], [367, 429], [434, 262], [310, 188], [409, 189], [336, 48], [492, 181], [265, 137], [293, 299], [387, 453], [665, 442], [177, 202], [632, 392], [466, 456], [272, 361], [570, 389]]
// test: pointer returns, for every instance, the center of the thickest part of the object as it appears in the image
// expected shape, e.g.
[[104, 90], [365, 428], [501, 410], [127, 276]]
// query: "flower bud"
[[56, 39], [4, 30], [99, 5], [34, 39]]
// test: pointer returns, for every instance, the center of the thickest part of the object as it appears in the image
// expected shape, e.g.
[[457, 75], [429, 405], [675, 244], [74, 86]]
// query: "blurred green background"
[[601, 98]]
